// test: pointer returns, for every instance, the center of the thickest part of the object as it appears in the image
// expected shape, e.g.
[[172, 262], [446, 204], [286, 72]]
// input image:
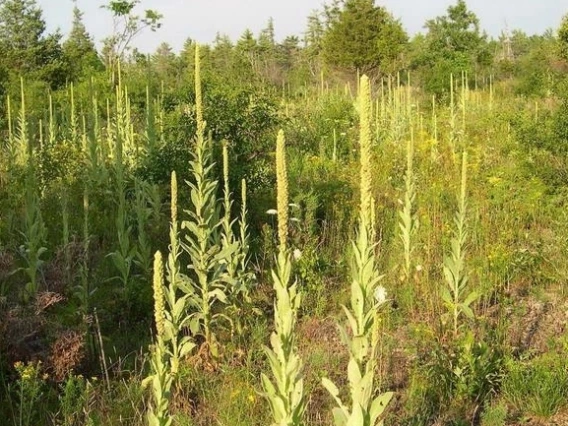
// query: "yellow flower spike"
[[199, 96], [282, 190], [226, 166], [174, 195], [365, 114], [159, 303]]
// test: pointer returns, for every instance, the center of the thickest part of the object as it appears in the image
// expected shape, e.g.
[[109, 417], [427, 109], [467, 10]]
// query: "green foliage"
[[453, 44], [454, 294], [285, 393], [203, 245], [464, 373], [33, 249], [494, 415], [127, 25], [365, 37], [29, 388], [25, 48], [537, 387], [83, 171], [79, 49], [74, 401], [563, 38], [408, 219]]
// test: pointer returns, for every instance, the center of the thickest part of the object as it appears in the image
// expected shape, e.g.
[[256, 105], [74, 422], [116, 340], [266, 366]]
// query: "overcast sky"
[[202, 19]]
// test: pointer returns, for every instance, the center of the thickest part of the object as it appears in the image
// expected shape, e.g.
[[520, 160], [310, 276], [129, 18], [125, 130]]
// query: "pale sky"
[[202, 19]]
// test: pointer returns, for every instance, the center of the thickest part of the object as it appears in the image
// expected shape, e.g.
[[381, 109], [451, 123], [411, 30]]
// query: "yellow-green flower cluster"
[[159, 303], [365, 113], [198, 96], [174, 197], [282, 188]]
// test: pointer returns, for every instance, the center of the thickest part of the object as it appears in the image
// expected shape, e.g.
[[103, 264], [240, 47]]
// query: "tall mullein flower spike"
[[282, 190], [455, 293], [161, 379], [408, 219], [365, 134], [159, 302], [362, 335], [227, 202], [174, 198], [463, 189], [244, 197], [243, 219], [226, 167], [285, 393], [199, 96]]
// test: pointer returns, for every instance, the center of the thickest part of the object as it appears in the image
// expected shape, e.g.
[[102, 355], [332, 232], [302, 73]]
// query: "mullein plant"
[[143, 253], [178, 293], [22, 142], [408, 219], [228, 237], [285, 393], [34, 230], [11, 147], [237, 276], [35, 236], [454, 134], [161, 378], [118, 135], [455, 294], [246, 276], [367, 406], [208, 257]]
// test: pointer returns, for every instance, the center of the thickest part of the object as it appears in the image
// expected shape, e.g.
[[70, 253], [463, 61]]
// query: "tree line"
[[345, 37]]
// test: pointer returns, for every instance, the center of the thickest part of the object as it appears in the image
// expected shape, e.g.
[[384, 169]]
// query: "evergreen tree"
[[222, 54], [288, 52], [248, 53], [313, 40], [267, 38], [187, 57], [164, 60], [314, 33], [25, 48], [363, 36], [79, 48]]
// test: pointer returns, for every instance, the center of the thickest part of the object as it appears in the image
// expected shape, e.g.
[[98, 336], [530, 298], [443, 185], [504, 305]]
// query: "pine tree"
[[248, 53], [363, 36], [79, 49], [267, 38], [25, 48], [222, 54], [164, 60], [313, 41], [21, 32]]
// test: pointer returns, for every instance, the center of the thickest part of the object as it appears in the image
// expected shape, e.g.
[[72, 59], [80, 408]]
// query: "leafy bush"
[[463, 373]]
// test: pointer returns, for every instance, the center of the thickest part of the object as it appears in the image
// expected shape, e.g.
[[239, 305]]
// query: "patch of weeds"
[[538, 387]]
